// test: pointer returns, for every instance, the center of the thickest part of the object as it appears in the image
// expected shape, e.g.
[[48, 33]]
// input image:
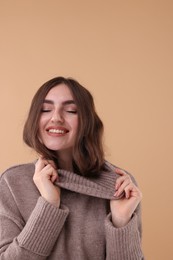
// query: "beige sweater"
[[81, 229]]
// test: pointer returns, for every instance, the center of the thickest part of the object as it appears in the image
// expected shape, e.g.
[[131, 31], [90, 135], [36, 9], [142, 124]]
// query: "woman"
[[70, 204]]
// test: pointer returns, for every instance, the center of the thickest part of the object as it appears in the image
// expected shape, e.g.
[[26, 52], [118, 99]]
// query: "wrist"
[[120, 222], [53, 202]]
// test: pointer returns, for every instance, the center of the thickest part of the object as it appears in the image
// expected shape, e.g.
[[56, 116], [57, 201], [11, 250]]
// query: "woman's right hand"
[[44, 177]]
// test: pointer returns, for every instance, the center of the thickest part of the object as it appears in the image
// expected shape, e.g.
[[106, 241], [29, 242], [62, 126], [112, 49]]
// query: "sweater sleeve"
[[124, 243], [34, 239]]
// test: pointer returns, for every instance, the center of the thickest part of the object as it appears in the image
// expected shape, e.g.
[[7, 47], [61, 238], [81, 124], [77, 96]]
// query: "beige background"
[[122, 52]]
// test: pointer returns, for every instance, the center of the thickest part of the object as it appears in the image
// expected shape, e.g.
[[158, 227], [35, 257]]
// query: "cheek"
[[42, 122]]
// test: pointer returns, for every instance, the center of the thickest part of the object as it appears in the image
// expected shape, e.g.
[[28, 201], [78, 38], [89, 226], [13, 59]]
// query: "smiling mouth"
[[57, 131]]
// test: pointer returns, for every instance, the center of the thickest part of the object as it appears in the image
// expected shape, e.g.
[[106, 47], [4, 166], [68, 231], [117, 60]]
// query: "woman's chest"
[[83, 234]]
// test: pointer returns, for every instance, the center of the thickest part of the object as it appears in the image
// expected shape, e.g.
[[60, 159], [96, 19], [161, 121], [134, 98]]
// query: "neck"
[[65, 160]]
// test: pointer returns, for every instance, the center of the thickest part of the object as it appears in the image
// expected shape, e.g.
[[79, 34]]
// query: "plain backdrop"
[[122, 51]]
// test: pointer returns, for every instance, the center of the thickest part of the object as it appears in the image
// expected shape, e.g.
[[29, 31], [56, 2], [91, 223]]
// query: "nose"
[[57, 117]]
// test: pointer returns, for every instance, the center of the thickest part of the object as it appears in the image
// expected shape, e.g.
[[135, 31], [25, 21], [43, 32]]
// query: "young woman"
[[70, 204]]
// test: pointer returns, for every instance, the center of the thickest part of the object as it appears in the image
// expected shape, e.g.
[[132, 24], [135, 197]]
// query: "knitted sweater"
[[81, 229]]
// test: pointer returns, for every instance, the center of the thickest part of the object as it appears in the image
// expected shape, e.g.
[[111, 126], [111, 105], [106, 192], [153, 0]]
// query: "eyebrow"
[[66, 102]]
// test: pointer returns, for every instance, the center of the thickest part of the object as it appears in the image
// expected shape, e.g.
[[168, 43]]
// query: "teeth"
[[57, 131]]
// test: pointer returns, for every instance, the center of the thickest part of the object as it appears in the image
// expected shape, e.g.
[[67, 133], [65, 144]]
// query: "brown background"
[[122, 52]]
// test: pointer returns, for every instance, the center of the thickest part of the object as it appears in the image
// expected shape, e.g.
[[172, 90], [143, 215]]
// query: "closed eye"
[[45, 110], [72, 111]]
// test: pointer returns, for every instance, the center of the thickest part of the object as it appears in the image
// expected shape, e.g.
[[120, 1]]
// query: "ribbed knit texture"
[[100, 187], [42, 228], [81, 229], [122, 241]]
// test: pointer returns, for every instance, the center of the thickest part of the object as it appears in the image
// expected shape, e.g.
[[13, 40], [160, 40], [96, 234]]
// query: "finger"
[[40, 164], [120, 171], [51, 172], [135, 192], [51, 162], [132, 190], [121, 189], [54, 177], [120, 180], [48, 172], [128, 190]]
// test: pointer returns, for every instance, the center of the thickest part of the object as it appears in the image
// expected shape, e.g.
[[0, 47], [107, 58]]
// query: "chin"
[[59, 148]]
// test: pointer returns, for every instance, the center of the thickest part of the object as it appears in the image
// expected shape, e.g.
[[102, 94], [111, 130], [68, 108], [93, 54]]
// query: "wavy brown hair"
[[88, 155]]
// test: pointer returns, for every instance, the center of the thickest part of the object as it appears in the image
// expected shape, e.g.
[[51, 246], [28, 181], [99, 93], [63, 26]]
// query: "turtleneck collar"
[[102, 186]]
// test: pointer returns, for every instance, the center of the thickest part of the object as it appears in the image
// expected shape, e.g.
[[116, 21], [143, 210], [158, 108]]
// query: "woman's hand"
[[123, 209], [44, 177]]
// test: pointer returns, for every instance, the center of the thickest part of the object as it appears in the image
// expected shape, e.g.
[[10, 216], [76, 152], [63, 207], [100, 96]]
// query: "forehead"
[[59, 93]]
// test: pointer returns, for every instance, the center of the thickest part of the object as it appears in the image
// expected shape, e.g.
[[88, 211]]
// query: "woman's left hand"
[[123, 209]]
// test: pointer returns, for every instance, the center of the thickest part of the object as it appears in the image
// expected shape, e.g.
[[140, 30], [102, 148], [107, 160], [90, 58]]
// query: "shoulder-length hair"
[[88, 155]]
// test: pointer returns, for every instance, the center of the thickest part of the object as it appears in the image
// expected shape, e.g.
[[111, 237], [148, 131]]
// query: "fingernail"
[[116, 194]]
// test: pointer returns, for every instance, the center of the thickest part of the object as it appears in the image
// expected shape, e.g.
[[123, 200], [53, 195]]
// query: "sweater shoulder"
[[18, 170], [111, 168]]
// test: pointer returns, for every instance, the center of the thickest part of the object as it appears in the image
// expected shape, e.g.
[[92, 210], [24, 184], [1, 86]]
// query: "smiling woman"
[[71, 203], [58, 124], [88, 154]]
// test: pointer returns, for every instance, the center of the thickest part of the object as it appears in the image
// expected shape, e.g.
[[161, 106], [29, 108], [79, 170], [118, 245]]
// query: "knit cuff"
[[124, 242], [42, 228]]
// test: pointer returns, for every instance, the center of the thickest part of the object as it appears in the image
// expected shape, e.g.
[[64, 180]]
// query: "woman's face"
[[58, 122]]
